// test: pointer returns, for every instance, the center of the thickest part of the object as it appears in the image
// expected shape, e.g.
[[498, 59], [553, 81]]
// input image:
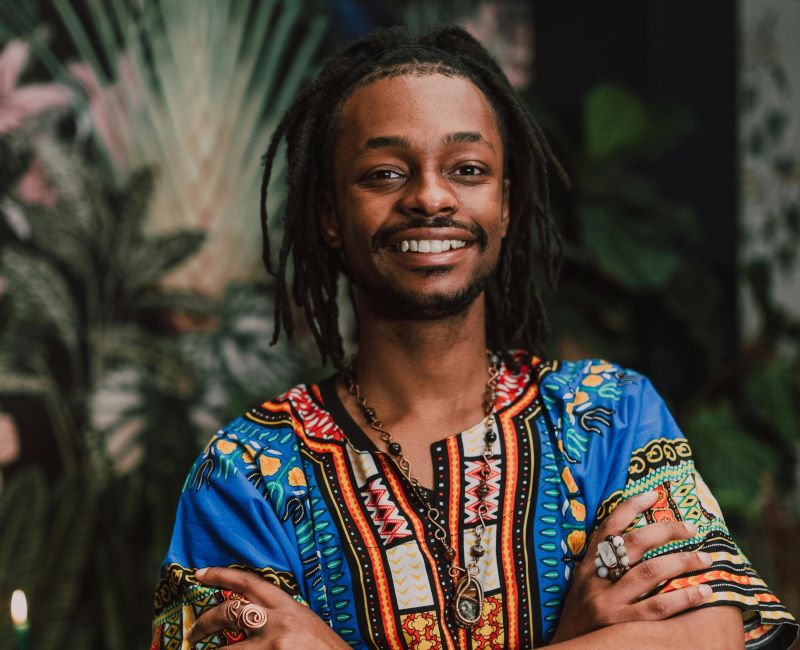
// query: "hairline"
[[411, 68]]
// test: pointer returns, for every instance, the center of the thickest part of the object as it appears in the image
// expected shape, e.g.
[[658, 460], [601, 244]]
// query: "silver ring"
[[612, 559]]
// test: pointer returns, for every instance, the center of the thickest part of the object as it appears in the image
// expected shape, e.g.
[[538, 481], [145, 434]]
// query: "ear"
[[504, 214], [329, 220]]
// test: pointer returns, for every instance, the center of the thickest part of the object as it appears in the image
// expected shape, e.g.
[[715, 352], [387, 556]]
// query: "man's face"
[[419, 205]]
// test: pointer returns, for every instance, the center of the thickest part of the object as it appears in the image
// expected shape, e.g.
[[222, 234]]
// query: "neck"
[[422, 366]]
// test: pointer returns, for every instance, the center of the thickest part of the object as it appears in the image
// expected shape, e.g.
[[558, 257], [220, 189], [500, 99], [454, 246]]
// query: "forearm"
[[711, 628]]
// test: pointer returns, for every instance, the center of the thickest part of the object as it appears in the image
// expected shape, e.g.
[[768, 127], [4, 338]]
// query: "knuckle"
[[658, 608], [650, 570], [676, 530], [690, 596], [634, 538], [690, 561]]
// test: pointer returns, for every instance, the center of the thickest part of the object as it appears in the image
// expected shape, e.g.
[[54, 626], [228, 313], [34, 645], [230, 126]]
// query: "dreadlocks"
[[532, 246]]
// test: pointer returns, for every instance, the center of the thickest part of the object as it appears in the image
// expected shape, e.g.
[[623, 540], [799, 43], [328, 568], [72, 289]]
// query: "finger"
[[662, 606], [624, 514], [213, 620], [640, 540], [248, 584], [647, 575], [620, 518]]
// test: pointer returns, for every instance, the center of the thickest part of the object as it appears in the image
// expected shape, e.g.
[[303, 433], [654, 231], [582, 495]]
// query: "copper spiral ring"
[[251, 617], [232, 608]]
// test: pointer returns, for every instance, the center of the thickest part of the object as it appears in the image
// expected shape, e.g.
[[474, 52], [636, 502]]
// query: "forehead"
[[418, 107]]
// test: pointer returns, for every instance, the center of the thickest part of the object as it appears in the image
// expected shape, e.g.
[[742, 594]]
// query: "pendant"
[[468, 602]]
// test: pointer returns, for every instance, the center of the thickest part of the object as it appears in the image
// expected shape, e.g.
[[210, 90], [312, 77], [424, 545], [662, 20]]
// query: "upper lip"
[[430, 234]]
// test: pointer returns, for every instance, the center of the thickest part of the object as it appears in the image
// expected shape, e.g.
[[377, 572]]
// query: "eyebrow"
[[466, 137], [400, 142]]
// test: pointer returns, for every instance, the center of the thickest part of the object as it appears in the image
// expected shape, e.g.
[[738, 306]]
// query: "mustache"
[[382, 236]]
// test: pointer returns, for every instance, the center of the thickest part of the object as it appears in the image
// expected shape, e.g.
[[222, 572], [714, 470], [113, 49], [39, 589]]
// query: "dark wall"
[[667, 52]]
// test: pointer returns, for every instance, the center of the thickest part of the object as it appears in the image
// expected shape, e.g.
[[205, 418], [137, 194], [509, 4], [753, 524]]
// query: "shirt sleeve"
[[642, 449], [227, 516]]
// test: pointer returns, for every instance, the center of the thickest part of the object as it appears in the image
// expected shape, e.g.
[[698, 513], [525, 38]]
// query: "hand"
[[289, 624], [594, 602]]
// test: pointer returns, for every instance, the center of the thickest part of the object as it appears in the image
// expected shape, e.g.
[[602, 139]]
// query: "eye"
[[469, 170], [383, 175]]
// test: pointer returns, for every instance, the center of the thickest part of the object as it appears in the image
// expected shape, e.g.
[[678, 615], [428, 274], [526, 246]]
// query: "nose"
[[429, 194]]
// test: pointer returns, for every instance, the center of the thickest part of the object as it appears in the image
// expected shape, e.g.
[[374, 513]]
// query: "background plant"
[[134, 320]]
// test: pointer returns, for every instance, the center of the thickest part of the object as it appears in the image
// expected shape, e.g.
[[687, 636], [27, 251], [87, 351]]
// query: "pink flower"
[[9, 440], [33, 187], [18, 103], [112, 106]]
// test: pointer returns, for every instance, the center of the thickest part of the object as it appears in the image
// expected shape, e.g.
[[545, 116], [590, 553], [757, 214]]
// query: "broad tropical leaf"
[[196, 94], [39, 290]]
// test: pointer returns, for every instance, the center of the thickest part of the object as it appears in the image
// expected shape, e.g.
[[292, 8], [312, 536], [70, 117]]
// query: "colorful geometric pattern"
[[295, 491], [489, 632], [421, 630], [472, 476], [390, 523]]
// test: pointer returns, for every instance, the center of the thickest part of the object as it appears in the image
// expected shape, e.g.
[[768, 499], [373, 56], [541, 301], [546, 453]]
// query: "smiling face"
[[419, 206]]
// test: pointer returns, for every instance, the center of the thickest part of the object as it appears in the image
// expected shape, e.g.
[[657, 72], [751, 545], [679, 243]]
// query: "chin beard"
[[391, 302]]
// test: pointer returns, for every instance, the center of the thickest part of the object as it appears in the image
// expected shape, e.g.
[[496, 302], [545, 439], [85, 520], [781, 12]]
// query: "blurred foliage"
[[132, 376], [628, 265]]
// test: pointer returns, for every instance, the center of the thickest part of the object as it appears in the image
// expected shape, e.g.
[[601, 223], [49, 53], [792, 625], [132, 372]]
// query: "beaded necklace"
[[467, 604]]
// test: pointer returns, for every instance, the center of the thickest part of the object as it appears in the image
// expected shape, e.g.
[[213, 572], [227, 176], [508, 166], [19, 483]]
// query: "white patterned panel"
[[489, 576], [473, 440], [386, 516], [410, 578], [362, 463]]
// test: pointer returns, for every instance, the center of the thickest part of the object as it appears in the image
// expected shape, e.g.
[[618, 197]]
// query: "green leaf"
[[17, 383], [137, 193], [158, 255], [38, 289], [176, 300], [70, 541], [732, 462], [614, 120], [628, 248], [773, 396]]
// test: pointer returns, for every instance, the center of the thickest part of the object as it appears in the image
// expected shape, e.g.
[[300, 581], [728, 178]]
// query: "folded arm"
[[711, 628]]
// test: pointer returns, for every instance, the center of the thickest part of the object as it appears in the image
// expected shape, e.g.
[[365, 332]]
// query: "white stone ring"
[[612, 559]]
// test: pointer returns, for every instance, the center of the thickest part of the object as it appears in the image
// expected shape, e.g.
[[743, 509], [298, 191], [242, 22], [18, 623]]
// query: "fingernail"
[[690, 528], [200, 573], [705, 591], [705, 558]]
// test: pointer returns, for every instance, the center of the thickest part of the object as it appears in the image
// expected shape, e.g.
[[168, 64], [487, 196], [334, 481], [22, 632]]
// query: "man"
[[433, 494]]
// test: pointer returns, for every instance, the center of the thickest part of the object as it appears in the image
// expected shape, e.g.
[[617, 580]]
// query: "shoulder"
[[263, 444], [593, 399], [295, 414], [578, 380]]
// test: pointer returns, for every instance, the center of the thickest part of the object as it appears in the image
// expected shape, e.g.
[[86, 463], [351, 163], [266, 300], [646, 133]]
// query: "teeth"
[[429, 245]]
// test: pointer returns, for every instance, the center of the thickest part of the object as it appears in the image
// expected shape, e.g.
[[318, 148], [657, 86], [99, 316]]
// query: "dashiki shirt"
[[295, 491]]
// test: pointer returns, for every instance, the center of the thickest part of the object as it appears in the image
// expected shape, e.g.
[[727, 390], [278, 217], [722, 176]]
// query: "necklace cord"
[[468, 604]]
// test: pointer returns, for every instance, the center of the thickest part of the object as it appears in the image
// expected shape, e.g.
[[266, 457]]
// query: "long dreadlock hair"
[[532, 247]]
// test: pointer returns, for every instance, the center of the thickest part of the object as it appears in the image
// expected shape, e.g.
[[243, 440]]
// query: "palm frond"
[[212, 84]]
